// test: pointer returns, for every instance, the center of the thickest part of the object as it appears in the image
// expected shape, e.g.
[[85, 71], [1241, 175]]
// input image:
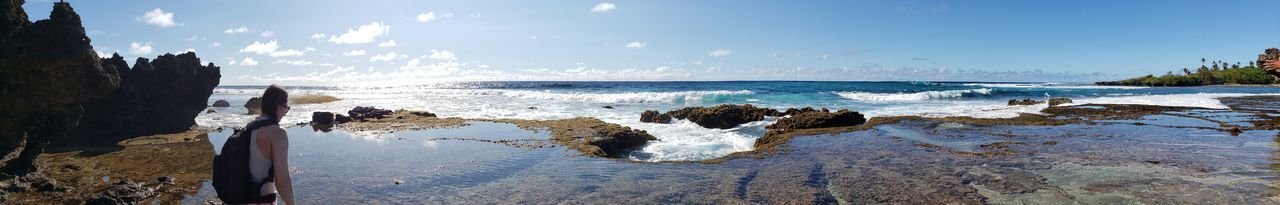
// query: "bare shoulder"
[[274, 131]]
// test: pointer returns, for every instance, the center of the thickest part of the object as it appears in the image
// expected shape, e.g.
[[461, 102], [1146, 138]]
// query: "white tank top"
[[259, 163]]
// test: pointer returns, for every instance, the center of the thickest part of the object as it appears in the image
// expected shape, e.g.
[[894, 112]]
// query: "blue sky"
[[339, 42]]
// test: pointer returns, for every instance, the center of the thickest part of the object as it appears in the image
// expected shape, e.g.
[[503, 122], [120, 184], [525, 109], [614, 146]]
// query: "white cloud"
[[242, 29], [248, 62], [270, 48], [603, 7], [309, 48], [268, 33], [296, 62], [363, 34], [635, 44], [261, 48], [215, 44], [447, 15], [391, 43], [318, 36], [442, 55], [159, 18], [287, 52], [140, 48], [720, 52], [825, 57], [196, 38], [353, 53], [383, 57], [426, 17], [189, 50]]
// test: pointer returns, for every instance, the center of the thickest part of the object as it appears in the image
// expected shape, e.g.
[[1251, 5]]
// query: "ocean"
[[685, 140]]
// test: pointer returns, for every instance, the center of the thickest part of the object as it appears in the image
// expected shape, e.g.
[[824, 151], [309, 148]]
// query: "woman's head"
[[275, 102]]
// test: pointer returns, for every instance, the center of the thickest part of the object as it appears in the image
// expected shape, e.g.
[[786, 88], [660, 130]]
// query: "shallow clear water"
[[685, 141], [1089, 164]]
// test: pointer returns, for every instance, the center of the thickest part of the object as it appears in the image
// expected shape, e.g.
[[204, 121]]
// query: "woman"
[[272, 146]]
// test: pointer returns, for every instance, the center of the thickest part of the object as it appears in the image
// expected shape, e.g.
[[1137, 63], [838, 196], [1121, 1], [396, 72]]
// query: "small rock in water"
[[397, 182], [362, 113], [340, 118], [210, 110], [422, 113], [533, 108], [254, 105], [221, 103], [1058, 101], [1026, 101], [607, 107], [322, 118]]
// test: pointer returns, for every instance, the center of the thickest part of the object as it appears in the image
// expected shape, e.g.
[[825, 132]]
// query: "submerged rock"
[[221, 103], [1025, 101], [254, 105], [607, 107], [720, 117], [1058, 101], [362, 113], [322, 118], [48, 71]]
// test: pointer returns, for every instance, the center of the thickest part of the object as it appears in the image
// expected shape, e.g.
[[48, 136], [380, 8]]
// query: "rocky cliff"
[[154, 97], [55, 89], [48, 70], [1270, 60]]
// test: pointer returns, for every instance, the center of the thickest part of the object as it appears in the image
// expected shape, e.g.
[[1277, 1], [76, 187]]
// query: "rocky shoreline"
[[76, 173]]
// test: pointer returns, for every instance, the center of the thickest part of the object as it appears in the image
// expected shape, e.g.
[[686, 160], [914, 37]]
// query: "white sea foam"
[[917, 96], [634, 97], [681, 140], [685, 140], [1204, 100], [1049, 86]]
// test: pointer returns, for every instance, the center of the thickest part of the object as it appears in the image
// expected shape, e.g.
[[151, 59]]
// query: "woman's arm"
[[280, 163]]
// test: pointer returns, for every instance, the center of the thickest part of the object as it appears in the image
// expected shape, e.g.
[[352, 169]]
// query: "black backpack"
[[231, 177]]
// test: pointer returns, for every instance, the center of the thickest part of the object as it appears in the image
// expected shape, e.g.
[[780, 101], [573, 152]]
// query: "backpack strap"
[[271, 173]]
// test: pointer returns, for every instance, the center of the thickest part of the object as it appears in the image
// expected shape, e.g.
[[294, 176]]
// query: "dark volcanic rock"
[[720, 117], [422, 113], [1058, 101], [321, 118], [221, 103], [1027, 101], [819, 119], [654, 117], [615, 140], [254, 105], [48, 70], [592, 136], [361, 113], [339, 119], [123, 192], [155, 97]]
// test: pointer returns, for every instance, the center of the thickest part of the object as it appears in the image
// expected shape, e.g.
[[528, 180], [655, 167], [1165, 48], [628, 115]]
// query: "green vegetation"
[[1219, 74]]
